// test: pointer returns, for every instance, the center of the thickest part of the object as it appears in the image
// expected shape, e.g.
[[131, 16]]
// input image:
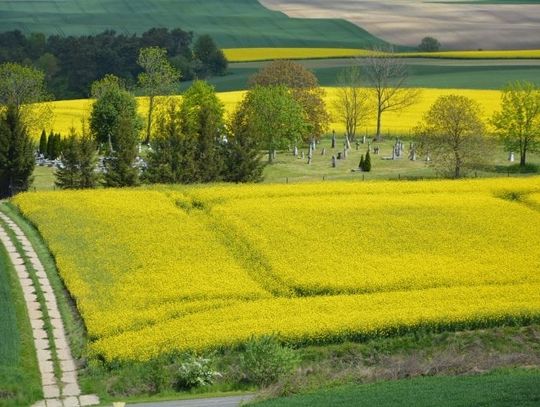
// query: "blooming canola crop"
[[193, 268]]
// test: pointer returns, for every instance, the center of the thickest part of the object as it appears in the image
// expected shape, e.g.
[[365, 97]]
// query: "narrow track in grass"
[[56, 365]]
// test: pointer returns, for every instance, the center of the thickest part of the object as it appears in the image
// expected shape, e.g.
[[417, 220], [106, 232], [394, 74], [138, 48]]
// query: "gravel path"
[[209, 402], [60, 387]]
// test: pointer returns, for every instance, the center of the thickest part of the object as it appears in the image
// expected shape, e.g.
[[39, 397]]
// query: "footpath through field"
[[57, 367], [233, 401]]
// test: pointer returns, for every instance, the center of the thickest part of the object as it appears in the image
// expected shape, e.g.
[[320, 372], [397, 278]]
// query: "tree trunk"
[[378, 135], [523, 158], [149, 121], [270, 156]]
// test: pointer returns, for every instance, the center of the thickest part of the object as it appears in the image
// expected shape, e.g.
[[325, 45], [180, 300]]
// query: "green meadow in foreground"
[[509, 388]]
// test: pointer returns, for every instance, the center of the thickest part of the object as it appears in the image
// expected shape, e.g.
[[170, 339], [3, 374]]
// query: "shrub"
[[195, 371], [265, 360]]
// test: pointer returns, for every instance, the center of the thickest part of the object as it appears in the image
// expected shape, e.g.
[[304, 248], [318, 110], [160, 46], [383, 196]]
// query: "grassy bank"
[[510, 388], [20, 382]]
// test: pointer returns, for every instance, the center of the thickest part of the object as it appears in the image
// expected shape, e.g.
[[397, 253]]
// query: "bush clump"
[[265, 360], [195, 371]]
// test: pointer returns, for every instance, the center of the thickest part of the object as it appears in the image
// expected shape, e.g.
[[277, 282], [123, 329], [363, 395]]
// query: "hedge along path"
[[57, 367]]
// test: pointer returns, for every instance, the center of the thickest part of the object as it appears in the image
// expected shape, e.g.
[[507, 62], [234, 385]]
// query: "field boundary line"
[[60, 386]]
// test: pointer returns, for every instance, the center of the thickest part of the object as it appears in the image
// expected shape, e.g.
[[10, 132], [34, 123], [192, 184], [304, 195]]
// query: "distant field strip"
[[70, 113], [233, 23], [168, 269], [266, 54]]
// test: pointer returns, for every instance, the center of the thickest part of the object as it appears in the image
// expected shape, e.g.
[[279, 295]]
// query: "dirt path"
[[406, 22]]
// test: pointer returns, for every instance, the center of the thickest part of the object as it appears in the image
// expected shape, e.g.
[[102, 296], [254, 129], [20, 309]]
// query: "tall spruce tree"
[[243, 159], [202, 120], [172, 158], [16, 154], [43, 143], [79, 159], [367, 163], [120, 164], [68, 176]]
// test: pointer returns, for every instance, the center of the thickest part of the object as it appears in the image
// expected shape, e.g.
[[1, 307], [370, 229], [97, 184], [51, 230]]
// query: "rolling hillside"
[[233, 23]]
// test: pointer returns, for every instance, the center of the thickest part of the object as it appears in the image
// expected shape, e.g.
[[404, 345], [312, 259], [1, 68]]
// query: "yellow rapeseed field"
[[70, 113], [265, 54], [178, 268]]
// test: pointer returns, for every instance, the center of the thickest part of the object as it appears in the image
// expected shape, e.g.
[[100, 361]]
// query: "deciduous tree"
[[305, 89], [272, 116], [518, 122], [159, 78], [453, 135], [386, 77], [352, 102]]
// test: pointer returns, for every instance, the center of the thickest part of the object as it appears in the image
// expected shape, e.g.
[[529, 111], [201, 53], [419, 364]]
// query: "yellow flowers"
[[69, 113], [264, 54], [164, 269]]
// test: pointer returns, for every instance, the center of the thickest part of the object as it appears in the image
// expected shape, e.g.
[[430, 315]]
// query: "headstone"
[[295, 151], [339, 156], [394, 153], [274, 154], [376, 150], [363, 139], [334, 163], [333, 139], [412, 155], [511, 157], [357, 145], [302, 155], [309, 159]]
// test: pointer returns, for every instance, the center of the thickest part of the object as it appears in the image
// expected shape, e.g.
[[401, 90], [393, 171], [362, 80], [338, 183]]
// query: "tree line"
[[190, 140], [71, 64]]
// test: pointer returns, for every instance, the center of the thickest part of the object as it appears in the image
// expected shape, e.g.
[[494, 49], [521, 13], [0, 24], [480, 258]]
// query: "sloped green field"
[[233, 23]]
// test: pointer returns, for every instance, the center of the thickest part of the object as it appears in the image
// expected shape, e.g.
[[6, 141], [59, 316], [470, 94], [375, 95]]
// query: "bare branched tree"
[[387, 76], [352, 103]]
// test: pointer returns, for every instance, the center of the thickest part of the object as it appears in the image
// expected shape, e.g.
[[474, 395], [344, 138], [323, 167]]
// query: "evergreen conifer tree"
[[120, 169], [50, 146], [43, 143], [88, 162], [243, 159], [172, 159], [367, 163], [68, 176], [361, 165], [16, 154]]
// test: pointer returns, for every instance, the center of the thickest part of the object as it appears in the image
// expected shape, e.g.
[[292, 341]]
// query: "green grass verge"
[[429, 75], [74, 326], [233, 23], [514, 387], [20, 382]]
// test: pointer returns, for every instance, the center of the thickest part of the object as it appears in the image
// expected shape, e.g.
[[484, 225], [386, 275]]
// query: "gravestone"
[[511, 157], [333, 139], [302, 155], [334, 162], [295, 151], [339, 156]]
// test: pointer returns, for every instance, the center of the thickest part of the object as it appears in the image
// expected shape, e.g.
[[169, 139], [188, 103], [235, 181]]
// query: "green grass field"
[[19, 374], [233, 23], [422, 73], [509, 388]]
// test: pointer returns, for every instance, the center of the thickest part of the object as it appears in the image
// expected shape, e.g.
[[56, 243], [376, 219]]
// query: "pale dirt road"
[[406, 22]]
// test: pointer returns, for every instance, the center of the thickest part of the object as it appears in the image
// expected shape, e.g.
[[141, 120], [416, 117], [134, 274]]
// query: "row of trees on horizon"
[[71, 64]]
